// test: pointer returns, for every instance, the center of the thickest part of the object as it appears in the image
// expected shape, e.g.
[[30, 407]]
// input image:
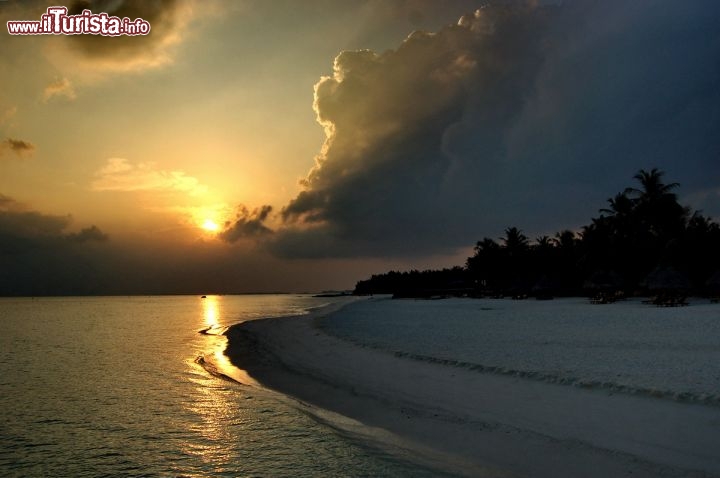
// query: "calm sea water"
[[110, 387]]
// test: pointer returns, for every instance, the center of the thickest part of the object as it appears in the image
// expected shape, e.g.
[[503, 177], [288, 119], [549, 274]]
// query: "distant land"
[[644, 242]]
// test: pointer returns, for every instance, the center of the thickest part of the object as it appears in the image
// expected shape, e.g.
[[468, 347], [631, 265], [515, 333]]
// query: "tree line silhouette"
[[643, 242]]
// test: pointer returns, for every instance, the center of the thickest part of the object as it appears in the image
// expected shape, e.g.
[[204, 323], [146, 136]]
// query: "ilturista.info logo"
[[56, 21]]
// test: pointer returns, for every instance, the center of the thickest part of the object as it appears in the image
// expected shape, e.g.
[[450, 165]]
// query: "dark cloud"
[[92, 233], [39, 257], [5, 202], [247, 224], [15, 219], [32, 224], [517, 115], [167, 19], [20, 223], [17, 146], [379, 186]]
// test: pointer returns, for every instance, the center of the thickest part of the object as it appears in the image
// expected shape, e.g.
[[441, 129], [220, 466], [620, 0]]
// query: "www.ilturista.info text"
[[57, 22]]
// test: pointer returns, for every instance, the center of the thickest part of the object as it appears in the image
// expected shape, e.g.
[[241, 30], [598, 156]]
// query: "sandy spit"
[[477, 424]]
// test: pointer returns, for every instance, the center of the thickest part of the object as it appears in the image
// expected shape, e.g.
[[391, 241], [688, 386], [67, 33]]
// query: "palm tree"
[[565, 240], [652, 186], [543, 243], [484, 265], [514, 240], [658, 211], [620, 206], [486, 245], [515, 253]]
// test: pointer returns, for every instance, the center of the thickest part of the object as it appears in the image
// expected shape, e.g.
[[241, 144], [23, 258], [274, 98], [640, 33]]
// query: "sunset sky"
[[255, 146]]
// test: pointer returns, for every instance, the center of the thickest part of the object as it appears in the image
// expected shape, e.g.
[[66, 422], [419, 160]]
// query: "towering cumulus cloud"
[[382, 175], [517, 114]]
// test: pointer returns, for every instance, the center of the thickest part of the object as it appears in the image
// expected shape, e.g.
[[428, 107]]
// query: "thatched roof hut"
[[604, 281], [713, 283], [669, 285], [545, 288], [605, 287], [668, 280]]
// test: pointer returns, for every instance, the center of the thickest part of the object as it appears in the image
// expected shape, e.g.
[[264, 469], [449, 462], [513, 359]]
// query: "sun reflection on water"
[[216, 403], [214, 359], [211, 314]]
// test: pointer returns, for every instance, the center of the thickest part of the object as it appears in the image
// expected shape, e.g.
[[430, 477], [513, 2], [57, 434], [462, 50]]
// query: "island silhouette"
[[644, 242]]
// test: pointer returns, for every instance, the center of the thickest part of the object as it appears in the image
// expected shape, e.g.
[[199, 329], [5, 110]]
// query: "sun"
[[210, 226]]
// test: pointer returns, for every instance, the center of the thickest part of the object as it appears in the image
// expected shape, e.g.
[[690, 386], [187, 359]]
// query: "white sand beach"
[[469, 421]]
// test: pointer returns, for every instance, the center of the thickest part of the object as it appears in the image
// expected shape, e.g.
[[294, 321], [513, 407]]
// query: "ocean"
[[115, 386]]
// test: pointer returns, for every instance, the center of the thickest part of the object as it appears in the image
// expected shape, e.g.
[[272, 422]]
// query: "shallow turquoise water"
[[110, 387]]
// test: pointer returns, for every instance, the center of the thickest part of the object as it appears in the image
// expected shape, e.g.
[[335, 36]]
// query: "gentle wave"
[[580, 382], [213, 330], [213, 370]]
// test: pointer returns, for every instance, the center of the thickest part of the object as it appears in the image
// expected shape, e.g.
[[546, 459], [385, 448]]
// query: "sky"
[[272, 145]]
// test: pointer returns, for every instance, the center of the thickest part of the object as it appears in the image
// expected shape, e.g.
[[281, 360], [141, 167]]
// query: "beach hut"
[[669, 286], [713, 286], [604, 287], [545, 288], [520, 289]]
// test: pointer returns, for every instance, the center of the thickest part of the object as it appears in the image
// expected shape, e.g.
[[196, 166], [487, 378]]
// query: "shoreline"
[[478, 423]]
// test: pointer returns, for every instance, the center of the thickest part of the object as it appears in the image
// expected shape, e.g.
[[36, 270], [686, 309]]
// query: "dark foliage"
[[643, 230], [429, 283]]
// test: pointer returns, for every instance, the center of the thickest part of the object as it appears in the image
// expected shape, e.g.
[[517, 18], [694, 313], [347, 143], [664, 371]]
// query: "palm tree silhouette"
[[620, 206], [640, 230], [543, 242], [652, 186], [656, 208], [514, 241]]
